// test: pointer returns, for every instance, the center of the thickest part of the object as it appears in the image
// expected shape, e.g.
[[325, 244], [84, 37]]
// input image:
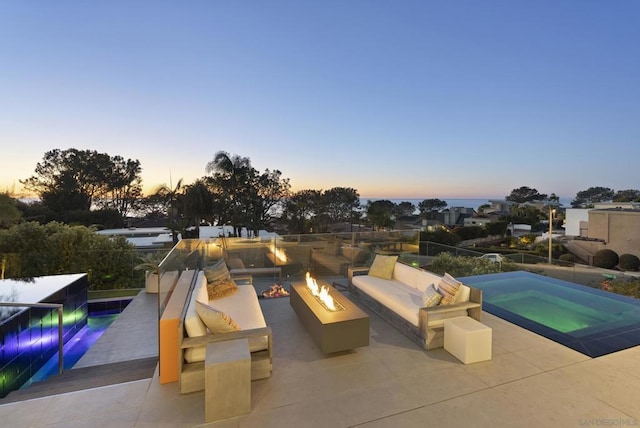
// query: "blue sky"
[[408, 99]]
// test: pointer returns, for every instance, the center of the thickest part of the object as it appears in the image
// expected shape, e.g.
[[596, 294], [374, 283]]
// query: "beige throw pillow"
[[220, 288], [216, 321], [382, 266]]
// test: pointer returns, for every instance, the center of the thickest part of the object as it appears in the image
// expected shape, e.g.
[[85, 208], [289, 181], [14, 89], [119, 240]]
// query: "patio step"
[[86, 378]]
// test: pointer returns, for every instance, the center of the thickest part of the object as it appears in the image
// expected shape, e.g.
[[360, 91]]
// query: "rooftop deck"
[[531, 381]]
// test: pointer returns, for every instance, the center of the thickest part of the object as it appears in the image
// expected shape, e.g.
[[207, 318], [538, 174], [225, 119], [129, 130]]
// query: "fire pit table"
[[346, 327]]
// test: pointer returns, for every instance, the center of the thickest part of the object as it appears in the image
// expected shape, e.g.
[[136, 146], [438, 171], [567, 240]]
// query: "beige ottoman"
[[227, 390], [467, 339]]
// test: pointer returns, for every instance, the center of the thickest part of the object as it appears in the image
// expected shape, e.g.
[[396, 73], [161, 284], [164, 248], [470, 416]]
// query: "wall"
[[29, 337], [619, 229], [573, 217]]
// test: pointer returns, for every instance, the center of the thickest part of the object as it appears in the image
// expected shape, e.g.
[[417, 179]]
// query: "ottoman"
[[467, 339]]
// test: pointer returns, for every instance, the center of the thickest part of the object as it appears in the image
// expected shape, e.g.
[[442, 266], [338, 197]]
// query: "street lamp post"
[[551, 211]]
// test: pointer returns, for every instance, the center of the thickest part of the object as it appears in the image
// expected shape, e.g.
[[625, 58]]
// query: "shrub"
[[567, 258], [467, 266], [629, 288], [606, 259], [629, 262], [31, 249]]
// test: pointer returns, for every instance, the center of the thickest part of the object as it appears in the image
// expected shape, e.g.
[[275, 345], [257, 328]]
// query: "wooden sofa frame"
[[430, 333]]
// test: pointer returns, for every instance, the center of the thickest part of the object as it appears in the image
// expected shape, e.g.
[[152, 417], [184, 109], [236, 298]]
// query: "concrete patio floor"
[[530, 382]]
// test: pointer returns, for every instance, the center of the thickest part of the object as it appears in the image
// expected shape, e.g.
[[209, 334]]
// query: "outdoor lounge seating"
[[399, 298], [241, 308], [335, 259]]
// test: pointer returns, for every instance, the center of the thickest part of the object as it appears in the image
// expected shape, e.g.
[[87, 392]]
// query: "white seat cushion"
[[398, 297], [243, 308]]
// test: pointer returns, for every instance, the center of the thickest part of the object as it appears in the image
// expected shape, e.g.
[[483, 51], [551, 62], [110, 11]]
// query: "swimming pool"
[[591, 321], [101, 315]]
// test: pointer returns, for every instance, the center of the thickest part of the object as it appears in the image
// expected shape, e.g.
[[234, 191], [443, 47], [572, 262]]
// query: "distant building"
[[617, 229], [477, 221], [144, 237], [499, 207], [455, 216]]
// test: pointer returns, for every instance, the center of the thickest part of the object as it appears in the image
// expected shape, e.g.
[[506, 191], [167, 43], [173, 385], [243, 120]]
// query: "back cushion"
[[192, 322], [463, 294], [217, 271], [406, 274], [425, 279]]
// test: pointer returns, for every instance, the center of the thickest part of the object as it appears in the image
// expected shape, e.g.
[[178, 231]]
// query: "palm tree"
[[172, 201], [198, 203], [232, 176]]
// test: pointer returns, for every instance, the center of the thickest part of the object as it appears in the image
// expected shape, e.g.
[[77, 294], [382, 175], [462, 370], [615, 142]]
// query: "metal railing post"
[[60, 308]]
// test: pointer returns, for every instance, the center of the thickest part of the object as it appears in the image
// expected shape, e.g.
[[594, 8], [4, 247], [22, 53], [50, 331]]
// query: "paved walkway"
[[530, 382], [133, 335]]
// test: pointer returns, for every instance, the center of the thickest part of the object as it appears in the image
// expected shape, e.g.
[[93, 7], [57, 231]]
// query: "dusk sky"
[[397, 99]]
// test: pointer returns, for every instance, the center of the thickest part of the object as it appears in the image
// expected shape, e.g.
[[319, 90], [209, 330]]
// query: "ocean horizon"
[[474, 203], [451, 202]]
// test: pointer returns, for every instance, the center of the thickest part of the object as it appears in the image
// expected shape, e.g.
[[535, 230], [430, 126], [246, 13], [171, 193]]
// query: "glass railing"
[[273, 259], [267, 260]]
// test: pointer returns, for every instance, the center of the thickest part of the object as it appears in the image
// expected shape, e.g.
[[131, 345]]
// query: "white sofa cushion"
[[243, 307], [404, 299], [406, 275], [464, 293], [396, 296], [425, 279]]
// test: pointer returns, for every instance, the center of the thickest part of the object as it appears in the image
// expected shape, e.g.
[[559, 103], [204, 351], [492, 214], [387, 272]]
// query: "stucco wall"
[[620, 230]]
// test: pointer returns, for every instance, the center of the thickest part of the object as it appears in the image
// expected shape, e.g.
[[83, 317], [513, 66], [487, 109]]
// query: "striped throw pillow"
[[448, 288], [431, 297]]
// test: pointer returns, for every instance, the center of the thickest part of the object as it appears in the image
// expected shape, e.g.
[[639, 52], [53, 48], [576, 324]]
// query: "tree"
[[340, 203], [404, 208], [525, 194], [9, 212], [525, 214], [246, 197], [232, 176], [629, 195], [170, 201], [300, 209], [123, 188], [72, 179], [380, 213], [429, 207], [198, 204], [266, 193], [586, 198]]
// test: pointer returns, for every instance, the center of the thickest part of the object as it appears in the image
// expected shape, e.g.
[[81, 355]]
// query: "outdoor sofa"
[[241, 309], [399, 294]]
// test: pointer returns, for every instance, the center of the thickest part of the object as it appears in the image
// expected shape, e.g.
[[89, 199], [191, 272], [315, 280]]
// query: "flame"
[[279, 253], [276, 290], [320, 293]]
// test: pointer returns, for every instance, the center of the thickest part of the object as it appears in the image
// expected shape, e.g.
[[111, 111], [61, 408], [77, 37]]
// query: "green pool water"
[[556, 313], [591, 321]]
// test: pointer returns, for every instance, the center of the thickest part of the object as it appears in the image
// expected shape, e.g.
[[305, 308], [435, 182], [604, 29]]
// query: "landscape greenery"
[[80, 191]]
